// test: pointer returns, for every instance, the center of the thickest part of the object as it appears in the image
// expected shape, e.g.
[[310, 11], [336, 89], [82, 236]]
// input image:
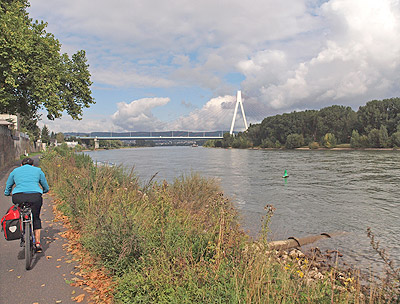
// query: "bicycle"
[[28, 237]]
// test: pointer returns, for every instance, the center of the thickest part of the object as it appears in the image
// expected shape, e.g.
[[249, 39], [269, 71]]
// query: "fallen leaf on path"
[[43, 285], [58, 266], [79, 298], [59, 259], [58, 301], [49, 257], [11, 270]]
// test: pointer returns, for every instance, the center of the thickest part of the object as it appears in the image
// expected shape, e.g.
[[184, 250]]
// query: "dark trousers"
[[36, 202]]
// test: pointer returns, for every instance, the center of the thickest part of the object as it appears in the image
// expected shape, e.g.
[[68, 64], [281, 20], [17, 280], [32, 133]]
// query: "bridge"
[[167, 135]]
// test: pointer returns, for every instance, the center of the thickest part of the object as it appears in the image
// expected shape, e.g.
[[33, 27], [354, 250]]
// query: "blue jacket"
[[27, 179]]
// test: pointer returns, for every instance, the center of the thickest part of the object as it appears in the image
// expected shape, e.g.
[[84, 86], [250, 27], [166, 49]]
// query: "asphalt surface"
[[52, 270]]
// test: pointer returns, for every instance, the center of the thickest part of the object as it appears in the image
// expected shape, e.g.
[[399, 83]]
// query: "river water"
[[326, 191]]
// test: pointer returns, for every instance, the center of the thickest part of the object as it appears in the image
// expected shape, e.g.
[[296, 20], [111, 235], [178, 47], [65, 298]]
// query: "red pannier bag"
[[11, 224]]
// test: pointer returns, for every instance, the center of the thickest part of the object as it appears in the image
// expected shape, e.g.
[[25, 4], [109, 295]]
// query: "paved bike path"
[[47, 281]]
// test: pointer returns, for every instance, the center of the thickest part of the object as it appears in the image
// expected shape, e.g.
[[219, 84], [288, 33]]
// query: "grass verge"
[[181, 242]]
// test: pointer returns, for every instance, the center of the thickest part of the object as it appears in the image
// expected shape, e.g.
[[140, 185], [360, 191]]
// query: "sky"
[[177, 65]]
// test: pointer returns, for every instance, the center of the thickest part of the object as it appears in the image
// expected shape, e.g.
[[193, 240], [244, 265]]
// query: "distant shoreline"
[[328, 149], [275, 149]]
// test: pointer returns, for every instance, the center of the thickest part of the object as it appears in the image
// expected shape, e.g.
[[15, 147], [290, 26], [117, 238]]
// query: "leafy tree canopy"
[[60, 137], [33, 73]]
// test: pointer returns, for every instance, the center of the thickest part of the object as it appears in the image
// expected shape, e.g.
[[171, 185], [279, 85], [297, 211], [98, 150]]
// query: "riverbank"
[[322, 149], [179, 242]]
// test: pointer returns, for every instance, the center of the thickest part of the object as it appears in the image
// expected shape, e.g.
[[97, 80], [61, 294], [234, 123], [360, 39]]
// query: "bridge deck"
[[148, 137]]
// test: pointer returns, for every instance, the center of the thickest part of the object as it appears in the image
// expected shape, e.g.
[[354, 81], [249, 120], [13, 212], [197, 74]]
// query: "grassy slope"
[[180, 242]]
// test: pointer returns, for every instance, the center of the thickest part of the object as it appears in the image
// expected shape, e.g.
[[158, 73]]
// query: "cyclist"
[[27, 179]]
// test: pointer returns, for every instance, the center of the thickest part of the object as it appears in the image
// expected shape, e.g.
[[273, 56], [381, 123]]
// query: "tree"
[[378, 138], [383, 137], [373, 138], [240, 141], [30, 127], [338, 120], [396, 139], [329, 141], [33, 73], [355, 141], [254, 134], [267, 143], [211, 143], [45, 135], [60, 137], [227, 140], [218, 144], [112, 144], [294, 141], [380, 112]]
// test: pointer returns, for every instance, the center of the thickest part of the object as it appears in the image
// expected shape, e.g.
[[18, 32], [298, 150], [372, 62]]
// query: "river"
[[326, 191]]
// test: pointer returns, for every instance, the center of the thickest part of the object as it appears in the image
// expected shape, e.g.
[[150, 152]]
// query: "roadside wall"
[[12, 145]]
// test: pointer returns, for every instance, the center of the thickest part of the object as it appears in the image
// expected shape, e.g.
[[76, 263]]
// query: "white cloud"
[[137, 115], [215, 115], [87, 125], [358, 61], [214, 36]]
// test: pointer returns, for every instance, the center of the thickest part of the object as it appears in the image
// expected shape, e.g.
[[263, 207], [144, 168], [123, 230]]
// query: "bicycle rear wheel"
[[28, 245]]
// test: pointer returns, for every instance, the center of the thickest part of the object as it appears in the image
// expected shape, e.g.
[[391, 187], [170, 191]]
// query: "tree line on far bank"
[[375, 125]]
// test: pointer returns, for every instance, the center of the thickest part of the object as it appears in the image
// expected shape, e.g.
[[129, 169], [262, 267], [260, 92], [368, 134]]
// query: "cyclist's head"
[[27, 161]]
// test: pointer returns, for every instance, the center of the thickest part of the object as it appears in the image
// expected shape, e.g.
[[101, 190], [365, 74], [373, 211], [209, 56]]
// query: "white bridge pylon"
[[238, 101]]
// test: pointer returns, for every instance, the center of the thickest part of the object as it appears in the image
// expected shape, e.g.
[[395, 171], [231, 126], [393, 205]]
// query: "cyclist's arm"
[[9, 184], [43, 182]]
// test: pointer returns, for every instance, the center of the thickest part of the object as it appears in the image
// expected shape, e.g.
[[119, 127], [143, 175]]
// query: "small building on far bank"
[[72, 144]]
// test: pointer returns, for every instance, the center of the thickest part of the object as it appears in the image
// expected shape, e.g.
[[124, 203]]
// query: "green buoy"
[[285, 175]]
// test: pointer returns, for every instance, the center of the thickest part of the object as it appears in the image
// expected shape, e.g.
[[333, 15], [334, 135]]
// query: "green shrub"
[[313, 145], [378, 138], [395, 139], [329, 140], [294, 141], [267, 143]]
